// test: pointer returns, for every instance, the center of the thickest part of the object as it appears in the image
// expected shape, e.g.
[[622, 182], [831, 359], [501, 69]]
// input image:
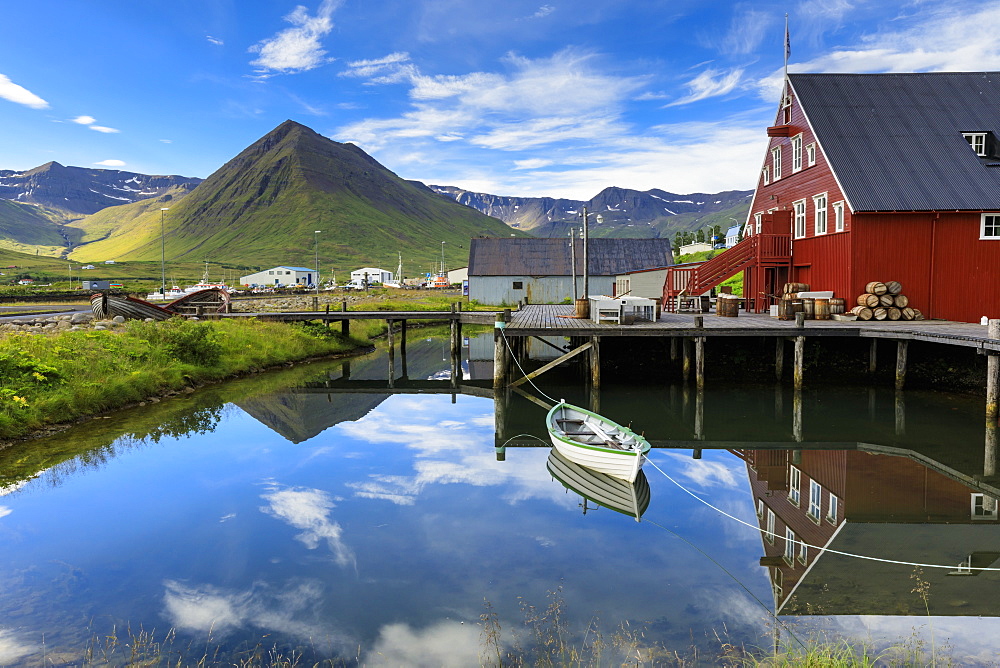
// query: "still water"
[[314, 511]]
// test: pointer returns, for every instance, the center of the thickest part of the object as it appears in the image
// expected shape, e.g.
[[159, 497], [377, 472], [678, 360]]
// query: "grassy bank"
[[61, 377]]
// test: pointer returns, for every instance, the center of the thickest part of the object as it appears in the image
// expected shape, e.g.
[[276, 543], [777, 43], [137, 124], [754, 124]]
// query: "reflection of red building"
[[875, 177], [878, 505]]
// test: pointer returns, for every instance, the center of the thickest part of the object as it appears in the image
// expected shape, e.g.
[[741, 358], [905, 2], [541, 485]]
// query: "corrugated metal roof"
[[895, 140], [551, 257]]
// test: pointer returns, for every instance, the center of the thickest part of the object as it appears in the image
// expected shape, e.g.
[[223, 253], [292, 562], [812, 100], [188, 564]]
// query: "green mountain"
[[262, 208], [28, 228]]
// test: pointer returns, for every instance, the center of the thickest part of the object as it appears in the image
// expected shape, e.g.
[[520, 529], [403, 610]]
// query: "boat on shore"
[[600, 488], [594, 441], [205, 301]]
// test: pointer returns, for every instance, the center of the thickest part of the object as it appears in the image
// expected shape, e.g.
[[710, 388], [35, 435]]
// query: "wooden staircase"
[[693, 279]]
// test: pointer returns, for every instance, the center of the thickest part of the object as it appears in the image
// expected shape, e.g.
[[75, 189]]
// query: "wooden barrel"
[[786, 308], [582, 308], [727, 308], [893, 287], [869, 300], [901, 301], [917, 315], [893, 313], [875, 288], [822, 309], [863, 312], [879, 313], [809, 307], [792, 288], [886, 300], [907, 313], [837, 304]]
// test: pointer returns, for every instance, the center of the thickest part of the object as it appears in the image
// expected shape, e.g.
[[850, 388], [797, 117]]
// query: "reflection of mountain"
[[299, 417], [613, 493], [881, 505]]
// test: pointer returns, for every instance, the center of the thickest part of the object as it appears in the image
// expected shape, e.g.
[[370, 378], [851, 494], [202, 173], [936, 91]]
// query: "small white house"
[[280, 277], [370, 275], [733, 235], [695, 247]]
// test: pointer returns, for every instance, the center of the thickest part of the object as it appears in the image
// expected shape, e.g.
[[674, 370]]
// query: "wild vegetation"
[[48, 379]]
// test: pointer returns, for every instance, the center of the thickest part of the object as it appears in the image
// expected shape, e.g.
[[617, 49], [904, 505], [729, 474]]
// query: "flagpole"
[[788, 52]]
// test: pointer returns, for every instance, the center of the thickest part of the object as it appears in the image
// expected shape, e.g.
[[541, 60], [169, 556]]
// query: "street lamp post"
[[316, 238], [586, 254], [442, 258], [163, 256]]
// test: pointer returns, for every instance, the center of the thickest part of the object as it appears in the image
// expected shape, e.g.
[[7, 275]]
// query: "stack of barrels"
[[885, 301], [818, 309]]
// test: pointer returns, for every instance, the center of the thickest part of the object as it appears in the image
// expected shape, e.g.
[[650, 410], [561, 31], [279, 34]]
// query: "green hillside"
[[118, 222], [263, 206], [26, 228]]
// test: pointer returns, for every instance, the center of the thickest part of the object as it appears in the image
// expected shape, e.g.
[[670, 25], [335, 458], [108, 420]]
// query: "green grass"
[[68, 375]]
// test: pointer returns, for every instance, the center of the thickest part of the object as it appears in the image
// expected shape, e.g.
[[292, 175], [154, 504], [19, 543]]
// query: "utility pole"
[[586, 255]]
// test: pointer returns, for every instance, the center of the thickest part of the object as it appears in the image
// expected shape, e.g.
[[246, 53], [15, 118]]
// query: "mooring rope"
[[514, 357], [800, 542]]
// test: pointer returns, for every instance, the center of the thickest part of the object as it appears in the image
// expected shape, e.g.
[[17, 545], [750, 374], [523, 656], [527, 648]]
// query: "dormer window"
[[977, 140]]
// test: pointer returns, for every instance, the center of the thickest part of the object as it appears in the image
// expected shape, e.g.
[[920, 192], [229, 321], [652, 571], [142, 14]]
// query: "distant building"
[[733, 236], [456, 276], [370, 275], [280, 277], [696, 247], [507, 270]]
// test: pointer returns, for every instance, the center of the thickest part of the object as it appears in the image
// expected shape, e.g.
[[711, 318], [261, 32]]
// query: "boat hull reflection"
[[608, 491]]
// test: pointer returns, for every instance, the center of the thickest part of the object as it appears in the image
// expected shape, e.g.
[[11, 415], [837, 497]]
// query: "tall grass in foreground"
[[46, 379]]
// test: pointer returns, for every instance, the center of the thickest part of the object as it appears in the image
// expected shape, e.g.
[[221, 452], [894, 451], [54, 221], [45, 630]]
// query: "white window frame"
[[989, 227], [757, 219], [794, 485], [789, 554], [776, 163], [803, 556], [810, 154], [815, 500], [821, 222], [799, 207], [832, 508], [838, 217], [978, 511], [797, 153], [769, 527], [765, 175], [760, 508], [977, 140]]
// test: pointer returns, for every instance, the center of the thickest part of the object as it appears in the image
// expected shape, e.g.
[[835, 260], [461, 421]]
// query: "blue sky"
[[520, 97]]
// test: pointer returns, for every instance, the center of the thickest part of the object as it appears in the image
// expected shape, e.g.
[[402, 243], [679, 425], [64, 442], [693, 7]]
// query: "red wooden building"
[[876, 177]]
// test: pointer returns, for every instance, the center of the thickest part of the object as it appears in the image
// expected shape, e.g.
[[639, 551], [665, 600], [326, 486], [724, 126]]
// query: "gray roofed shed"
[[551, 257], [895, 140]]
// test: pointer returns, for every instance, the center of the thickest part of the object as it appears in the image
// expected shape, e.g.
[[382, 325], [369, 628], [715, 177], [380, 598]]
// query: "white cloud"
[[297, 49], [449, 644], [710, 83], [543, 11], [308, 509], [532, 163], [12, 92], [104, 129], [167, 141], [5, 511], [214, 40], [12, 649], [376, 66], [747, 30], [111, 163], [202, 609], [85, 120]]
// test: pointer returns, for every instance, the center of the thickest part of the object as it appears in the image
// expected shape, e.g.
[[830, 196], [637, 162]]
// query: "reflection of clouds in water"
[[448, 644], [704, 472], [12, 649], [205, 608], [5, 511], [448, 451], [308, 509]]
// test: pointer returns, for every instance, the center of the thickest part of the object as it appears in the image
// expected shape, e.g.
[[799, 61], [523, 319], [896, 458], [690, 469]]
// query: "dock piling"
[[779, 357], [993, 376], [901, 347], [798, 371]]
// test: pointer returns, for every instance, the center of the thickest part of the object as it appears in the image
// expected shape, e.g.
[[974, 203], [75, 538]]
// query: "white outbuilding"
[[280, 277], [370, 275]]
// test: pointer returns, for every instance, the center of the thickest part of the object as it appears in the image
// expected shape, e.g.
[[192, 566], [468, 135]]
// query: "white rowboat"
[[596, 442]]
